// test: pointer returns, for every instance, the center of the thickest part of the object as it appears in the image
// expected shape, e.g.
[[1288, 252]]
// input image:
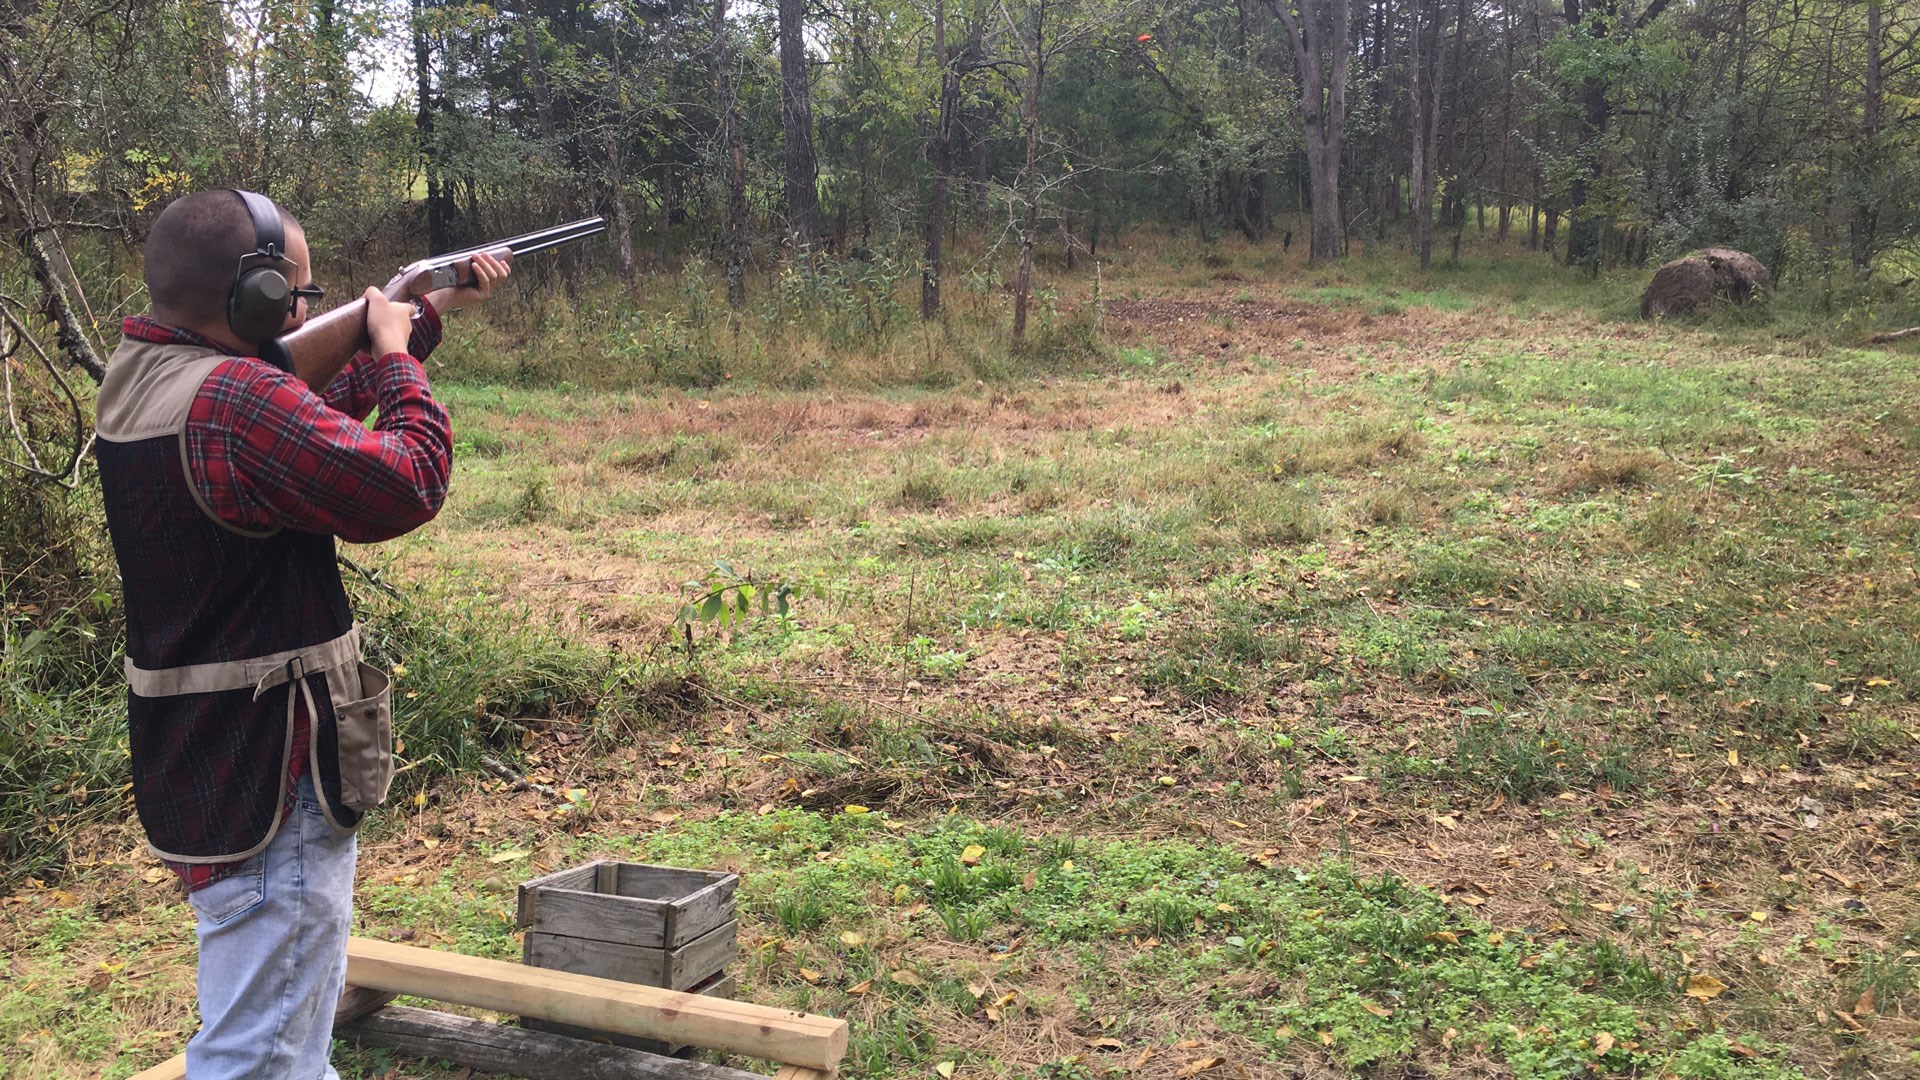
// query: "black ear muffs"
[[261, 297]]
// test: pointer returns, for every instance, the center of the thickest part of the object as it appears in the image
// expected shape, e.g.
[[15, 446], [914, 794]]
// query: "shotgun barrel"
[[325, 344]]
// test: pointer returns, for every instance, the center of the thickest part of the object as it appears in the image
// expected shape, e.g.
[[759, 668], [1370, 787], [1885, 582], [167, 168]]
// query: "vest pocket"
[[364, 732]]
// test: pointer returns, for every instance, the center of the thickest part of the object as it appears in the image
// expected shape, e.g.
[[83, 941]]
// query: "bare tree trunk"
[[734, 157], [1426, 74], [796, 126], [1865, 217], [1029, 179], [439, 201], [942, 165], [1321, 39]]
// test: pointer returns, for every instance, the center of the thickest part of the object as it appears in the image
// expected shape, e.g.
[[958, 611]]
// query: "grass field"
[[1272, 673]]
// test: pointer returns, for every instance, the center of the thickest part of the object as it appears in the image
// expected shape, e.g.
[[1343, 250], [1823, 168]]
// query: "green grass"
[[1435, 681]]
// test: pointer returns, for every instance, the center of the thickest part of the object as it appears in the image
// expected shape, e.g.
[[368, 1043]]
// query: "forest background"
[[1245, 357]]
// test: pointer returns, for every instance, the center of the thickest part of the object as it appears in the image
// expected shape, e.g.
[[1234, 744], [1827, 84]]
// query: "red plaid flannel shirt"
[[266, 452]]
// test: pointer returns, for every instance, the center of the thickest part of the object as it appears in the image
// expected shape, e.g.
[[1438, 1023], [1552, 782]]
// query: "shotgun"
[[324, 345]]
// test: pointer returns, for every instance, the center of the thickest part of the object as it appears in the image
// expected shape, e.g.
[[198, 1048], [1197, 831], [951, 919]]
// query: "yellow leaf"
[[1166, 781], [1602, 1043], [154, 874], [860, 987], [1377, 1010], [993, 1013], [907, 978], [1446, 821], [429, 843], [1733, 758], [1879, 682], [1283, 1032], [1704, 987], [507, 856], [1444, 937], [946, 1069], [852, 938], [1821, 687], [810, 975], [420, 799], [857, 809], [1757, 916], [971, 856]]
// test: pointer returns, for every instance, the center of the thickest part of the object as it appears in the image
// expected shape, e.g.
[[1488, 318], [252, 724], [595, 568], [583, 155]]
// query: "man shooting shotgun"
[[259, 737], [319, 348]]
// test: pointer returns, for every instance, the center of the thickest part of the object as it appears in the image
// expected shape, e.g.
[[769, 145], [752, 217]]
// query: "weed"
[[800, 911]]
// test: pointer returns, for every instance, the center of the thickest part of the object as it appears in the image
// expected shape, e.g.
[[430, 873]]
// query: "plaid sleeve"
[[266, 452], [352, 391]]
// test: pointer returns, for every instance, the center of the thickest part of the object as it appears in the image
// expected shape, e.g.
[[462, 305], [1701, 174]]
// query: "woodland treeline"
[[1604, 131]]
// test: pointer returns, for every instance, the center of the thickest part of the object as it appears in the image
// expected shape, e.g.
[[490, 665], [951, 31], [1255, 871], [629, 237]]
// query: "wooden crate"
[[653, 925]]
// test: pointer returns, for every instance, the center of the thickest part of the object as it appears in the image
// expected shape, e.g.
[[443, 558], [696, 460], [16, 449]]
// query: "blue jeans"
[[273, 954]]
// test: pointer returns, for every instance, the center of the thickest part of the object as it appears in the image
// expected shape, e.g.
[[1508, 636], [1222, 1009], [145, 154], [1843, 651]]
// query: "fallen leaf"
[[1864, 1005], [507, 856], [1447, 1037], [1602, 1043], [154, 874], [971, 856], [856, 809], [1107, 1044], [946, 1069], [1444, 937], [1377, 1010], [1704, 987], [907, 978], [1146, 1055], [860, 987], [1200, 1065], [810, 975], [852, 938]]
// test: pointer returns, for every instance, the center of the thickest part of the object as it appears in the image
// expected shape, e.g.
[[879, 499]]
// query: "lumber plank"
[[355, 1002], [737, 1027], [537, 1055]]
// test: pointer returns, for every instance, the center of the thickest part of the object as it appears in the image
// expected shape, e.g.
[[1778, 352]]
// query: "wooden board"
[[719, 986], [674, 969], [573, 877], [537, 1055], [601, 1004]]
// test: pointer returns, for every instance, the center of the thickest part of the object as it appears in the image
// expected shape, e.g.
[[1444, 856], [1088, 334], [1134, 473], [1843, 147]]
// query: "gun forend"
[[454, 268]]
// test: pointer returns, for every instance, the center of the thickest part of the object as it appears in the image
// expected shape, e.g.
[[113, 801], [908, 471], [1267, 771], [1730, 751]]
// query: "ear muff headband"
[[261, 297]]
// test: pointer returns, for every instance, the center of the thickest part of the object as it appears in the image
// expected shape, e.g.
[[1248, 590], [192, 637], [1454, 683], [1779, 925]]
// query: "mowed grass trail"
[[1329, 674]]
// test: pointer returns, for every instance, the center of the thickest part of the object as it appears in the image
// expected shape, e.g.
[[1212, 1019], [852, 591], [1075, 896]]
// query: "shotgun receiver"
[[325, 344]]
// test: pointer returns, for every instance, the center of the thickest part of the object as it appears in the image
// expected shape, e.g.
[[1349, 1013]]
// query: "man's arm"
[[353, 392], [266, 452]]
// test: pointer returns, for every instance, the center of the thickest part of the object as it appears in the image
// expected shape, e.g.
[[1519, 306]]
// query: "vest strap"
[[262, 673]]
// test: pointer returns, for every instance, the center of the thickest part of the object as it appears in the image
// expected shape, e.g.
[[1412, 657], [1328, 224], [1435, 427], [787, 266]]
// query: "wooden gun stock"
[[324, 345]]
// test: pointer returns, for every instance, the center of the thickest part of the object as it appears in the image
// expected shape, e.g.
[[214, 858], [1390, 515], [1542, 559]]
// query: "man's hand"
[[389, 323], [488, 271]]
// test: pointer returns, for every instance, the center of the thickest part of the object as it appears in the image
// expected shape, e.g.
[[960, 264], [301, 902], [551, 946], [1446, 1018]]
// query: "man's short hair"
[[195, 250]]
